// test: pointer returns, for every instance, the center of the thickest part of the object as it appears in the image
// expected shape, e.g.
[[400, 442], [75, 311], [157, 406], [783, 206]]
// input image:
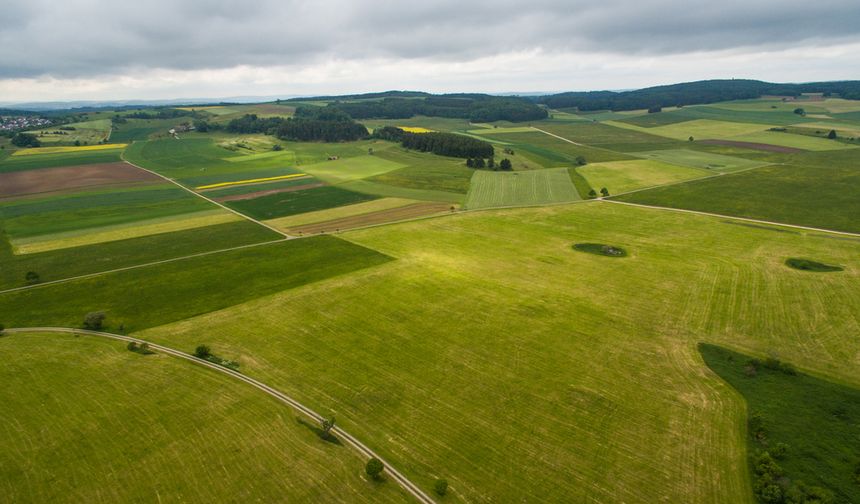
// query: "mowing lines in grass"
[[537, 187], [622, 176], [700, 159]]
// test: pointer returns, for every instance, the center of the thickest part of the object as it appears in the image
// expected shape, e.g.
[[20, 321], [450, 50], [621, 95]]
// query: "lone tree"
[[799, 111], [440, 487], [604, 192], [327, 425], [592, 193], [2, 328], [479, 163], [491, 163], [580, 160], [94, 321], [691, 138], [470, 163], [132, 346], [32, 278], [202, 352], [505, 164], [374, 468], [832, 134]]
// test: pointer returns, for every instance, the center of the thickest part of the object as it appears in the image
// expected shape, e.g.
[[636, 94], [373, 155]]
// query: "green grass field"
[[354, 168], [296, 202], [797, 141], [155, 295], [825, 456], [699, 129], [538, 187], [23, 163], [59, 264], [85, 420], [623, 176], [492, 354], [551, 152], [26, 218], [87, 133], [776, 193], [700, 159]]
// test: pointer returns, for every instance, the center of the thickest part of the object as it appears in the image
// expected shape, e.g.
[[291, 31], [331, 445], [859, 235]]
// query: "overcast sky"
[[158, 49]]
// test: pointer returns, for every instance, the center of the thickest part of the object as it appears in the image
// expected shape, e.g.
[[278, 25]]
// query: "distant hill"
[[694, 93]]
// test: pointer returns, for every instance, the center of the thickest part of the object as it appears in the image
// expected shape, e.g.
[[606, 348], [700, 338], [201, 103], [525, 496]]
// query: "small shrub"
[[94, 321], [440, 487], [580, 161], [779, 450], [132, 346], [31, 277], [757, 426], [374, 468], [202, 352]]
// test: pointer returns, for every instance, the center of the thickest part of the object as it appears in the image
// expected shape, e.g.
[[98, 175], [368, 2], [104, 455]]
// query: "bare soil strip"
[[373, 218], [253, 195], [48, 180], [754, 146]]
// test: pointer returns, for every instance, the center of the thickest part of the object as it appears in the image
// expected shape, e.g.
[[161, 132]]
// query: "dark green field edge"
[[809, 427], [813, 196], [146, 297], [37, 161], [582, 186], [68, 263], [296, 202]]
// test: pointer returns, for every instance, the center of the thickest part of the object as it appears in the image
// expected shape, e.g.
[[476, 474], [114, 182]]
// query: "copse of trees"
[[310, 124], [448, 144], [25, 140], [170, 113]]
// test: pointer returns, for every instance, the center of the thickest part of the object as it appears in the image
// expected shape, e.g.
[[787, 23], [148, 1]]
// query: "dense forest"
[[443, 144], [310, 124], [693, 93], [472, 107]]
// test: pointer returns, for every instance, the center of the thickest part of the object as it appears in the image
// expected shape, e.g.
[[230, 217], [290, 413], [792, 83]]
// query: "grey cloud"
[[92, 37]]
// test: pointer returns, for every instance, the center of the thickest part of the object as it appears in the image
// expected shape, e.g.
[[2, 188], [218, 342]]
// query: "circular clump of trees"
[[601, 249]]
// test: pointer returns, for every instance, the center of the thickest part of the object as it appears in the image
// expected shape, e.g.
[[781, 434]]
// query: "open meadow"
[[506, 328]]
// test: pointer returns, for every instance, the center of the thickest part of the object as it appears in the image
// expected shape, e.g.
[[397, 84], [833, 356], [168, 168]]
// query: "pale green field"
[[390, 191], [701, 159], [623, 176], [85, 420], [68, 149], [699, 129], [536, 187], [88, 133], [797, 141], [518, 129], [492, 354], [340, 212], [136, 229], [842, 129], [353, 168]]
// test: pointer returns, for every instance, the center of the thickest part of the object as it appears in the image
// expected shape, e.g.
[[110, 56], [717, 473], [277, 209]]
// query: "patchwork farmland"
[[435, 310]]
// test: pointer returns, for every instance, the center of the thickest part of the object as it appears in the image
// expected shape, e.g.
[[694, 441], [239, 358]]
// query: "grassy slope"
[[623, 176], [699, 159], [60, 264], [537, 187], [816, 418], [154, 295], [85, 420], [815, 196], [493, 355]]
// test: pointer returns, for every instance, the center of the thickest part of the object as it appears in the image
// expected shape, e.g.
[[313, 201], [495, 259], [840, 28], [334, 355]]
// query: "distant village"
[[13, 123]]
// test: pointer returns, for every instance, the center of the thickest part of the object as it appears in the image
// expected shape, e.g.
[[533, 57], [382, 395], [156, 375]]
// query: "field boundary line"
[[195, 193], [142, 265], [732, 217], [562, 138], [363, 449], [706, 177]]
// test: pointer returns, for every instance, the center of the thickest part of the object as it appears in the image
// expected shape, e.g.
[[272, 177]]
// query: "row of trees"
[[504, 164]]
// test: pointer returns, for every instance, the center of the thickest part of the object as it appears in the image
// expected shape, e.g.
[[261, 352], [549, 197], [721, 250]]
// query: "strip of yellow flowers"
[[250, 181]]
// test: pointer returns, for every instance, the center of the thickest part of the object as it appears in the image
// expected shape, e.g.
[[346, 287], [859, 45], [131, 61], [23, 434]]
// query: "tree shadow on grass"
[[328, 437]]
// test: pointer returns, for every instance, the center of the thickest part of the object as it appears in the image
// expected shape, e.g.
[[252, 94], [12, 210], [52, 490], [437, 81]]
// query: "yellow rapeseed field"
[[57, 150], [415, 129]]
